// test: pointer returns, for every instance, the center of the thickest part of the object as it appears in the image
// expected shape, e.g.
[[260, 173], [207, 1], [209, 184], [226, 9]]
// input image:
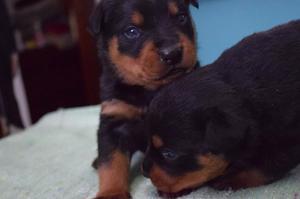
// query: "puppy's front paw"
[[124, 195]]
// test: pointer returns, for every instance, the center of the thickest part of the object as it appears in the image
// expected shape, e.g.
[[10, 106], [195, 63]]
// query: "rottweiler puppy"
[[143, 45], [232, 124]]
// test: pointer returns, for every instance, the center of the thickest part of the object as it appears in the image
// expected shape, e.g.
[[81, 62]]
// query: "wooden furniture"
[[56, 78], [1, 129], [89, 59], [52, 79]]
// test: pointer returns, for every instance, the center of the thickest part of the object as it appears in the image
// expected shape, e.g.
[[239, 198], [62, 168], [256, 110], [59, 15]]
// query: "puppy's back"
[[271, 57], [263, 70]]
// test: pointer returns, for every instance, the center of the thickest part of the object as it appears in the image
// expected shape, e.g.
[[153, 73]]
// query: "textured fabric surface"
[[52, 160]]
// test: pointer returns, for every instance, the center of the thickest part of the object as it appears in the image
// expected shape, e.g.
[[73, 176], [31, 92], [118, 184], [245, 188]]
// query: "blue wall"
[[222, 23]]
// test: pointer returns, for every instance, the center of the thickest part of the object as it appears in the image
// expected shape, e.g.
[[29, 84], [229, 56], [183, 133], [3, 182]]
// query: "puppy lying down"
[[232, 124]]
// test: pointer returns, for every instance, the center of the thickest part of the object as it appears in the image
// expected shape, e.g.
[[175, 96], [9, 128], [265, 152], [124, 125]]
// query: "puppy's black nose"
[[146, 167], [171, 55]]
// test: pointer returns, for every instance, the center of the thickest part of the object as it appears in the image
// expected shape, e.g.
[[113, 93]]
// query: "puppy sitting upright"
[[234, 123], [143, 45]]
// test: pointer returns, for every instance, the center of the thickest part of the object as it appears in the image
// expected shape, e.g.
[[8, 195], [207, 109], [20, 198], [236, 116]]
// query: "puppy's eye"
[[182, 18], [168, 154], [132, 32]]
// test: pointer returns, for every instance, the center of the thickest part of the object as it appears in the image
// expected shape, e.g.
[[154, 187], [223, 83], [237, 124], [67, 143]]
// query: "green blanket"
[[51, 160]]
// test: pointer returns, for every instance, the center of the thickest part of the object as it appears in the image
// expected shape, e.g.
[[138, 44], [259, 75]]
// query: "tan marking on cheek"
[[137, 18], [120, 109], [212, 166], [157, 141], [113, 176], [161, 179], [189, 51], [142, 70], [173, 8]]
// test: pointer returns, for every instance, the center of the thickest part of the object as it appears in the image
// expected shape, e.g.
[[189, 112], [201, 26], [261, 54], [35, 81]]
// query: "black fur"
[[245, 107], [111, 19]]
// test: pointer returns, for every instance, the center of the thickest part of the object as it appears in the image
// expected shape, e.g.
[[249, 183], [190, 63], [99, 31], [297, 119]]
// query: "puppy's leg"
[[116, 144], [113, 161]]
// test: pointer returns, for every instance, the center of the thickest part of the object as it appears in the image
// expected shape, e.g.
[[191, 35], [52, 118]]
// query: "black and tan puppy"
[[234, 123], [143, 45]]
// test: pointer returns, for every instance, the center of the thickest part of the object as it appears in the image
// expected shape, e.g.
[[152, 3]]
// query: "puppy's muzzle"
[[171, 55]]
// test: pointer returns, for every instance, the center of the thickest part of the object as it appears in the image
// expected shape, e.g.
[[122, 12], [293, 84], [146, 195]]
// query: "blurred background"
[[222, 23], [48, 59]]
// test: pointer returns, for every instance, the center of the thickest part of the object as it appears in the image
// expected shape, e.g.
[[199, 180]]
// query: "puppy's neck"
[[112, 87]]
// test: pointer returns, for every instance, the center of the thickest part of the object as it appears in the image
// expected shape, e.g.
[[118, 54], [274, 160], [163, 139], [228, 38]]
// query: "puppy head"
[[148, 43], [191, 140]]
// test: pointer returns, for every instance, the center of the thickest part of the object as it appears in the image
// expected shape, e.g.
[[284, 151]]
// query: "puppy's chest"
[[137, 97], [126, 102]]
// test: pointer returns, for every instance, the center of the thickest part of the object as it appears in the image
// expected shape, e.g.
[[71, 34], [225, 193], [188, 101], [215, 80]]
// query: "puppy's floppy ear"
[[97, 19], [224, 132], [195, 3]]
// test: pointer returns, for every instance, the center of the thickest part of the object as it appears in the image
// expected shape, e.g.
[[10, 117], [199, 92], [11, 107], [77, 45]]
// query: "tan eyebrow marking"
[[137, 18], [173, 8], [157, 141]]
